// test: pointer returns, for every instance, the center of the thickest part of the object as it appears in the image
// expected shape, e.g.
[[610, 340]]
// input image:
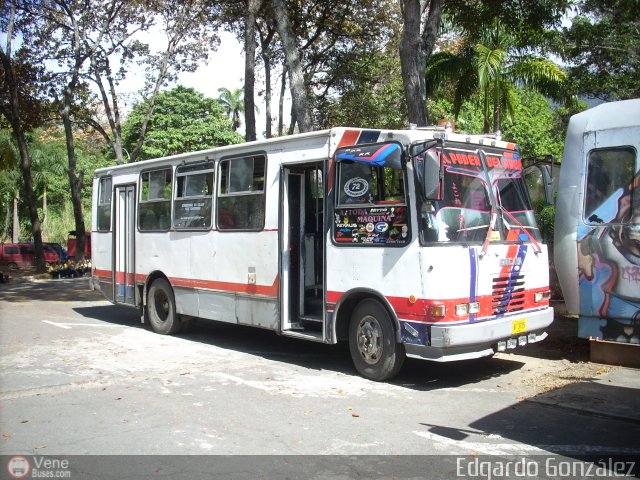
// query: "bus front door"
[[302, 251], [123, 245]]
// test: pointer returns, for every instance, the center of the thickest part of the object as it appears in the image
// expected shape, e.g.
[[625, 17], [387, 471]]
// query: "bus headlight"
[[466, 308], [542, 296], [462, 309]]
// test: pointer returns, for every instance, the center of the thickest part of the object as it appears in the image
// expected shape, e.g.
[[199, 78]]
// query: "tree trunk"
[[74, 181], [415, 50], [292, 58], [7, 219], [15, 231], [412, 62], [265, 54], [283, 90], [249, 69], [431, 29], [267, 95], [496, 104], [13, 116]]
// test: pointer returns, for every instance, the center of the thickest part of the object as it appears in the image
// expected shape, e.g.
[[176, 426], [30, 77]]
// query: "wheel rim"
[[369, 337], [162, 306]]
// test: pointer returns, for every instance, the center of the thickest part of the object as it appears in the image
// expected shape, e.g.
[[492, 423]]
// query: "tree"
[[188, 26], [373, 98], [10, 183], [250, 65], [12, 102], [66, 26], [184, 120], [299, 96], [233, 103], [419, 33], [602, 48], [494, 67]]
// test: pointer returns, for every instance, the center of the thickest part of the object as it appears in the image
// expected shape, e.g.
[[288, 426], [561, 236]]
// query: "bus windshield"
[[477, 185]]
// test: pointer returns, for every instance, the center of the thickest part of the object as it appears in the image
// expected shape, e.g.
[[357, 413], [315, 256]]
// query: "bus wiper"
[[492, 226], [535, 243]]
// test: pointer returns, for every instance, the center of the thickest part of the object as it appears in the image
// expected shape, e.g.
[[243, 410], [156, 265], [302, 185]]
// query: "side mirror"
[[431, 176]]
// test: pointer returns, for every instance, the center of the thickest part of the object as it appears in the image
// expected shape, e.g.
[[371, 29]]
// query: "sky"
[[225, 68]]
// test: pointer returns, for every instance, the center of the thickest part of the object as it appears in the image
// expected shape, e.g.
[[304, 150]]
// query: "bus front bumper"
[[475, 340]]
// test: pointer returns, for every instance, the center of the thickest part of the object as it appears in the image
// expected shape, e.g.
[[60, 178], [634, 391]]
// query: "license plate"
[[518, 326]]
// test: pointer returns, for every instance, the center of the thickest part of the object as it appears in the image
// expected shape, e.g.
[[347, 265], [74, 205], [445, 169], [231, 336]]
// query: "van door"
[[124, 245]]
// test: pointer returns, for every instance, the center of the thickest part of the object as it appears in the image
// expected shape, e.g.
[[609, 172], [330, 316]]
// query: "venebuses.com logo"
[[38, 467], [18, 467]]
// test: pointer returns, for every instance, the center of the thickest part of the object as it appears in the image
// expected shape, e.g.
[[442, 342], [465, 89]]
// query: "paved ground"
[[81, 376]]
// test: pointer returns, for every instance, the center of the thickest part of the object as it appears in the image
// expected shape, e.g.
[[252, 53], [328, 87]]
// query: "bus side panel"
[[609, 254], [101, 259], [569, 207]]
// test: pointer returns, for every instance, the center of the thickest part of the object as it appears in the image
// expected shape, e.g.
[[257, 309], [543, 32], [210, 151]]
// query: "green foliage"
[[602, 47], [373, 98], [489, 63], [49, 171], [545, 217], [534, 126], [183, 120], [233, 103]]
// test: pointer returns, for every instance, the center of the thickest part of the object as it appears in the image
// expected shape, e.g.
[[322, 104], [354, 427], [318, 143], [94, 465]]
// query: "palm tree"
[[233, 103], [10, 179], [493, 67]]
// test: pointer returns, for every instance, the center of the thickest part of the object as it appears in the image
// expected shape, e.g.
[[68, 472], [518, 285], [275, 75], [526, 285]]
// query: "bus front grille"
[[508, 294]]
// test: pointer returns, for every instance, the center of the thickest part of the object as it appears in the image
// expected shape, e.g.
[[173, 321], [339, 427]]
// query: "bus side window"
[[194, 196], [609, 170], [104, 205], [154, 209], [241, 193]]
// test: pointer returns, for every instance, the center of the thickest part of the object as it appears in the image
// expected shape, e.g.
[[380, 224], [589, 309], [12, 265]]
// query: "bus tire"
[[372, 342], [161, 308]]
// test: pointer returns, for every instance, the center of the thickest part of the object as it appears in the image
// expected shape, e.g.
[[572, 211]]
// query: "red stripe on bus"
[[418, 311], [232, 287], [271, 291]]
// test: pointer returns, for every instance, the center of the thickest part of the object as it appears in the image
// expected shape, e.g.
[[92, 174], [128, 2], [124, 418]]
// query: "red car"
[[21, 255]]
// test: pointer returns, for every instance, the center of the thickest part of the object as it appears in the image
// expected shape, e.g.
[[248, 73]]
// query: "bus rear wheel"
[[372, 342], [161, 308]]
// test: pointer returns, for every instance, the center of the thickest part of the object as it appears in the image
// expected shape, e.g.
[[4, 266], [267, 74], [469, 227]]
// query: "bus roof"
[[413, 135], [612, 115]]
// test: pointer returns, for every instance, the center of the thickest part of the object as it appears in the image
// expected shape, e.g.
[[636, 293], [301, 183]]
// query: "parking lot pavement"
[[81, 376]]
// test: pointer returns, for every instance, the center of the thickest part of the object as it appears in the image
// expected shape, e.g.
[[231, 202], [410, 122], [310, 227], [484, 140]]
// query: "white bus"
[[418, 243], [597, 229]]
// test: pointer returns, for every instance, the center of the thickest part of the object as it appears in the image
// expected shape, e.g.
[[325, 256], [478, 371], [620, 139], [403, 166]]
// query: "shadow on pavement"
[[416, 374], [62, 290]]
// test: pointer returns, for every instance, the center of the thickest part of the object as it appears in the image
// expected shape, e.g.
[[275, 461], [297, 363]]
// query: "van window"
[[194, 195], [104, 204], [241, 194], [610, 173], [11, 250], [154, 212]]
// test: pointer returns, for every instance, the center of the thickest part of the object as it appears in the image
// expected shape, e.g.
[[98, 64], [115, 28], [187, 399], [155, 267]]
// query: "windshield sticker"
[[508, 161], [356, 187], [374, 225]]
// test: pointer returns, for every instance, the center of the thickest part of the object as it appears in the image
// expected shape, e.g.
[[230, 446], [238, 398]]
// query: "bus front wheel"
[[372, 342], [161, 308]]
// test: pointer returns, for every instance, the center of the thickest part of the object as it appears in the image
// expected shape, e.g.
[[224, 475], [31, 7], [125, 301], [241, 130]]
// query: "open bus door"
[[302, 251], [124, 245], [541, 176]]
